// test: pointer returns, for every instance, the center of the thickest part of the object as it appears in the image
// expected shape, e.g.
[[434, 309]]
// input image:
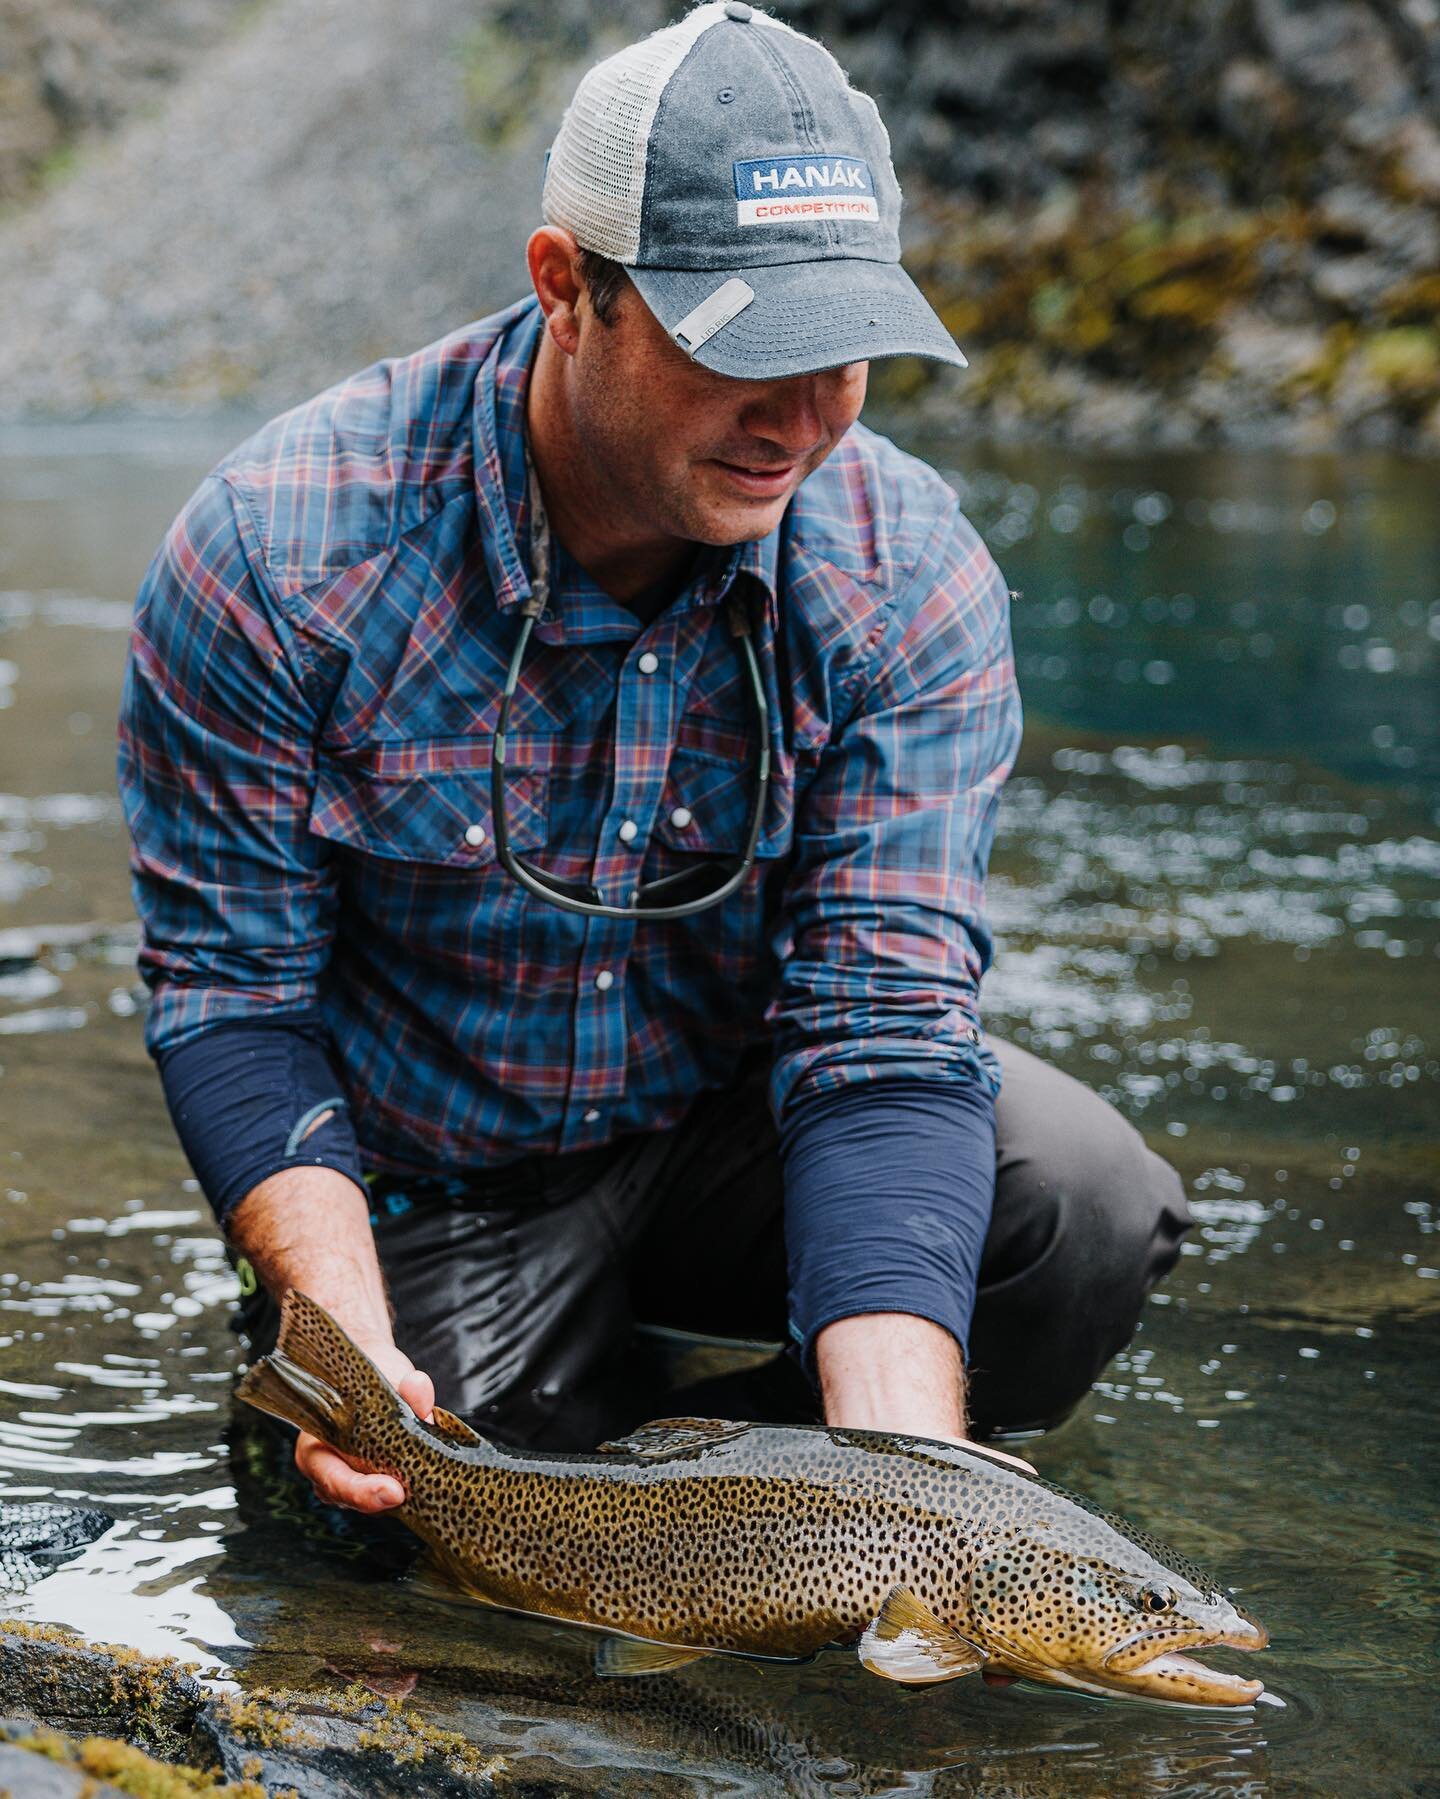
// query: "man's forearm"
[[310, 1228], [892, 1371]]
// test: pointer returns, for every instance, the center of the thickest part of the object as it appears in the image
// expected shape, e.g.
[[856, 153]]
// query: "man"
[[561, 766]]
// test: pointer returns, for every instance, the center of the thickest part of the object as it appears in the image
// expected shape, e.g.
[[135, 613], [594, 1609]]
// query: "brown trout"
[[701, 1537]]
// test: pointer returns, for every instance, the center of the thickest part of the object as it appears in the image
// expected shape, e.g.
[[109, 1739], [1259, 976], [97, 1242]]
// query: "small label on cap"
[[701, 324], [779, 190]]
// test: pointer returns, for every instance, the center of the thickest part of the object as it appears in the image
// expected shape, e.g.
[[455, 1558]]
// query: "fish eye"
[[1154, 1598]]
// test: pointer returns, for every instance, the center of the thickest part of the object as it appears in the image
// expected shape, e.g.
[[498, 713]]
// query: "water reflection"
[[1215, 891]]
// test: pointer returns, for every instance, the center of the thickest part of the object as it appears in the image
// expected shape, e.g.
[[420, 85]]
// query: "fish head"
[[1106, 1611]]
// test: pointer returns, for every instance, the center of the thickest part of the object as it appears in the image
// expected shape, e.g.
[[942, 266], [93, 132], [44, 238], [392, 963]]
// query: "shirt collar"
[[503, 502]]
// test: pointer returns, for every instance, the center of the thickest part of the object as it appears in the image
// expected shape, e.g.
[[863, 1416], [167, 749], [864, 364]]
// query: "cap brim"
[[804, 316]]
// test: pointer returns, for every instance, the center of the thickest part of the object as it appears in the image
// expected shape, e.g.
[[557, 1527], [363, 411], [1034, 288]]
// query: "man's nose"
[[787, 414]]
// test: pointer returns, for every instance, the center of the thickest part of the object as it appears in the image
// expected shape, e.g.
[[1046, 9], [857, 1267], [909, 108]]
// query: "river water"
[[1216, 896]]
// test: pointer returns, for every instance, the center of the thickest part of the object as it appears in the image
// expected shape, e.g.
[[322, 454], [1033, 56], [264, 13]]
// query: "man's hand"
[[310, 1228], [340, 1479]]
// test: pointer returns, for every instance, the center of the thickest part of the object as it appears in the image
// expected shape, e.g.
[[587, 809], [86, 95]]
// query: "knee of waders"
[[1077, 1244], [1102, 1212]]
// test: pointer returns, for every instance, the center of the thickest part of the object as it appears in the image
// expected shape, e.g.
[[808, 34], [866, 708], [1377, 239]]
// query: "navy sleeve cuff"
[[255, 1096], [888, 1191]]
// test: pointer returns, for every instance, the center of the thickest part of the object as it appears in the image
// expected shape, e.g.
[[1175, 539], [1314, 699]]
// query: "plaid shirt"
[[306, 730]]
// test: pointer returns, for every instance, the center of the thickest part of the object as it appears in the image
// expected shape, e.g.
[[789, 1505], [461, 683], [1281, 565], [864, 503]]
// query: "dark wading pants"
[[519, 1295]]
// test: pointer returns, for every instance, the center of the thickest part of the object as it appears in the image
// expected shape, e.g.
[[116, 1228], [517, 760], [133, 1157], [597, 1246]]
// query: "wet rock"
[[1269, 355], [55, 1678], [325, 1756], [344, 1744], [1353, 283], [354, 1745], [33, 1775], [1352, 217], [39, 1763], [1255, 105], [1341, 52]]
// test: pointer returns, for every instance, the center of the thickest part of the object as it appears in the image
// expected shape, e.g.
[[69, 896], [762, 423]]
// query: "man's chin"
[[725, 520]]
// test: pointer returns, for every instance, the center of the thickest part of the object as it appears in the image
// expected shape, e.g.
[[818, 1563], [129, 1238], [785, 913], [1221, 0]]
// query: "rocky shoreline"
[[81, 1720], [1187, 226]]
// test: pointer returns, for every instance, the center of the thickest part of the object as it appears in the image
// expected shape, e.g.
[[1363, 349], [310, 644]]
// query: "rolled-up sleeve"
[[885, 904], [216, 771]]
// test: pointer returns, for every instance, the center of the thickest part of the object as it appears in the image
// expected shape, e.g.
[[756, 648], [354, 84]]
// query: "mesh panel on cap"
[[595, 183]]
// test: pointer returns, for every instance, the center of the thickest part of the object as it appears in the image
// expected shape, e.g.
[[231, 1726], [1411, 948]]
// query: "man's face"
[[690, 454]]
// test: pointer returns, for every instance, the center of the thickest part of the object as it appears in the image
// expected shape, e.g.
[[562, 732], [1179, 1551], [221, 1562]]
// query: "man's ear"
[[554, 259]]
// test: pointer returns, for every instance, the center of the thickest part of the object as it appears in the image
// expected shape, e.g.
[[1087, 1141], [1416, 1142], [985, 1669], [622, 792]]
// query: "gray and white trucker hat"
[[747, 188]]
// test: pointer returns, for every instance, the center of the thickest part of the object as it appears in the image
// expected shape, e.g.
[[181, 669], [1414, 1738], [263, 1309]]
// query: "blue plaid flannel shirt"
[[313, 683]]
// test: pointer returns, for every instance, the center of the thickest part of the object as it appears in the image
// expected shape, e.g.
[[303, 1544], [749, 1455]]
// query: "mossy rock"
[[76, 1764], [101, 1689]]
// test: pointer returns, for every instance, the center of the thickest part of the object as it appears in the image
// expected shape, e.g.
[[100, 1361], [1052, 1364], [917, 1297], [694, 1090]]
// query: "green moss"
[[1118, 292], [57, 165], [264, 1717], [501, 78], [152, 1698], [404, 1735], [131, 1770], [1405, 360], [270, 1717]]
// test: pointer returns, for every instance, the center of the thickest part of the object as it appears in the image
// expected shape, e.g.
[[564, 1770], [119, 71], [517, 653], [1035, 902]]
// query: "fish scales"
[[699, 1536], [762, 1528]]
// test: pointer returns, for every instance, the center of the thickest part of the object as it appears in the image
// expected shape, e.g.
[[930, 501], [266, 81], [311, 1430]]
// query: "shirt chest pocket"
[[426, 803], [705, 805]]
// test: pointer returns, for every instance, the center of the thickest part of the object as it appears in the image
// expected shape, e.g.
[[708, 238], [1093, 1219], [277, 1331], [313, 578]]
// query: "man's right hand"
[[310, 1228], [339, 1479]]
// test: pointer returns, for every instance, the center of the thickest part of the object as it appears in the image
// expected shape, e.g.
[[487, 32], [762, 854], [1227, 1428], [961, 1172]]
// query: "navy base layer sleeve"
[[254, 1097], [889, 1187]]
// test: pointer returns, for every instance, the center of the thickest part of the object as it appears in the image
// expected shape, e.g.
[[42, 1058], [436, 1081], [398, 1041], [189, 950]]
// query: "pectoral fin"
[[908, 1643], [672, 1436], [437, 1576], [622, 1657]]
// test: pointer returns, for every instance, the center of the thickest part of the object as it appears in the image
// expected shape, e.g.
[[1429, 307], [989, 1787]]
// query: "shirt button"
[[629, 831], [474, 835], [681, 817], [592, 1116], [648, 663], [604, 980]]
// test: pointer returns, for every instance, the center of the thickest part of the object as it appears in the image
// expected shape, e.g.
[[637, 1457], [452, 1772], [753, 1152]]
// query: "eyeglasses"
[[662, 898]]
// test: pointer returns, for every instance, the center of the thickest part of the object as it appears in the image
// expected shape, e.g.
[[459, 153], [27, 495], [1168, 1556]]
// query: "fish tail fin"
[[286, 1390], [316, 1378]]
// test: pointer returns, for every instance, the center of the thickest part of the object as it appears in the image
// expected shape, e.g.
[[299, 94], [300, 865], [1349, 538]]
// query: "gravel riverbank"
[[1204, 224]]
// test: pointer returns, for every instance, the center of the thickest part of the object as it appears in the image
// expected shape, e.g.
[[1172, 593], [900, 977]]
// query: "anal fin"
[[906, 1642], [453, 1429], [619, 1658]]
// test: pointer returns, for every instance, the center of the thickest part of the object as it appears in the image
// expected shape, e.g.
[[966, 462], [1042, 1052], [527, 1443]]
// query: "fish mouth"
[[1155, 1665]]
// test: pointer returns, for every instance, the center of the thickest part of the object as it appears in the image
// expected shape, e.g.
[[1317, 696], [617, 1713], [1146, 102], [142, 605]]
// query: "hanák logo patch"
[[784, 190]]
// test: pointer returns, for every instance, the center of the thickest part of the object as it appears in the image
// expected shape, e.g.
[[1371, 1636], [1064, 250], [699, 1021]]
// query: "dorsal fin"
[[453, 1429], [908, 1643], [673, 1436]]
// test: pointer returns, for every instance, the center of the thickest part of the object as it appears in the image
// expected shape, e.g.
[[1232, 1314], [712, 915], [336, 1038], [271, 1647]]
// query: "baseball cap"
[[748, 190]]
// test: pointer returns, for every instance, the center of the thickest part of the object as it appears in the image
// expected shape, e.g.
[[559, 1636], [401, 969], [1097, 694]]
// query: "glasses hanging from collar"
[[665, 897]]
